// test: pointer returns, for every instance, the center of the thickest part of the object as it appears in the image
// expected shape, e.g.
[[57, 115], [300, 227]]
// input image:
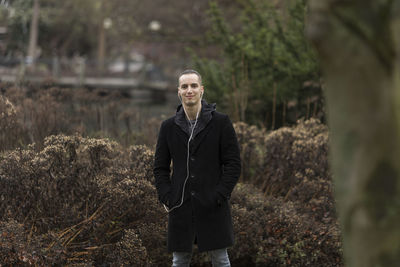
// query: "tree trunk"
[[273, 108], [235, 107], [244, 90], [101, 51], [33, 33], [284, 113], [357, 47], [308, 108], [101, 41]]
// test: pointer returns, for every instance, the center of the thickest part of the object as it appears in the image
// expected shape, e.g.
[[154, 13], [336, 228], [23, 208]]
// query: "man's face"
[[190, 89]]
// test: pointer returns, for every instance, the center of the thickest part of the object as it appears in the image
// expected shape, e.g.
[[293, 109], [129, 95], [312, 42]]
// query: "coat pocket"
[[212, 200], [219, 199]]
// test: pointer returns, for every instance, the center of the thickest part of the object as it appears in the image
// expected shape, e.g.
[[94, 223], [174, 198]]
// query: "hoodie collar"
[[204, 117]]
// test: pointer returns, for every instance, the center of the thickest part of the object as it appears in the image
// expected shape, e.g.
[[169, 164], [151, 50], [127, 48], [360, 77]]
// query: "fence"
[[80, 71]]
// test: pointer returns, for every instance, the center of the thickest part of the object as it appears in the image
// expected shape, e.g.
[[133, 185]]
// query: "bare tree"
[[33, 34], [358, 44]]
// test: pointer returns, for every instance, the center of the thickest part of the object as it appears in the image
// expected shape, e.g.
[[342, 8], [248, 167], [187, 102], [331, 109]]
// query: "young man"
[[203, 147]]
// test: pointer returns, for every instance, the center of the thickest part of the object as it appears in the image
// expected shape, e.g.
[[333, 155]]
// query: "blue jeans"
[[219, 258]]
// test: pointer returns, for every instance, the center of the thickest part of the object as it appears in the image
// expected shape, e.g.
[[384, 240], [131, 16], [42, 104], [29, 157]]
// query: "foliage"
[[296, 166], [83, 201], [271, 232], [11, 132], [265, 62], [290, 167], [17, 18], [70, 28], [31, 113], [66, 27], [78, 190], [17, 248], [252, 150], [291, 163]]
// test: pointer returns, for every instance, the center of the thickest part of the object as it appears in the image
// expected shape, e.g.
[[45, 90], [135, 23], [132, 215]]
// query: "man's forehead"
[[189, 78]]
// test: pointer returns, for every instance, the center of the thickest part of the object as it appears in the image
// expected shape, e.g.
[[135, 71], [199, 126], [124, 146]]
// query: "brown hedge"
[[38, 112], [84, 190], [272, 232], [90, 202], [291, 162]]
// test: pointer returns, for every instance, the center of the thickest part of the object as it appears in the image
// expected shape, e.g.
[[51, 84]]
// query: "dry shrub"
[[154, 238], [79, 189], [94, 202], [19, 248], [296, 168], [129, 251], [271, 232], [293, 152], [292, 220], [44, 117], [145, 132], [57, 183], [140, 158], [42, 111], [291, 163], [36, 117], [252, 149], [11, 130]]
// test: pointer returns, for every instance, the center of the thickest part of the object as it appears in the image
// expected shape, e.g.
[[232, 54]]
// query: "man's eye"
[[194, 85], [184, 86]]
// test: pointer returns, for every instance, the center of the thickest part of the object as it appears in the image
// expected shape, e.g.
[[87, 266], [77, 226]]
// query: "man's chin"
[[190, 103]]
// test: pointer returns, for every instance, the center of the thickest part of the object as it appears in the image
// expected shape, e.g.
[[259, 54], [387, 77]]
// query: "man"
[[203, 147]]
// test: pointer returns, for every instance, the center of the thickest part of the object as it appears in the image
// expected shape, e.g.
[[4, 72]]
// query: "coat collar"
[[205, 116]]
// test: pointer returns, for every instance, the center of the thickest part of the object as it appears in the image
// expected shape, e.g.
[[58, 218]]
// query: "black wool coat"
[[214, 169]]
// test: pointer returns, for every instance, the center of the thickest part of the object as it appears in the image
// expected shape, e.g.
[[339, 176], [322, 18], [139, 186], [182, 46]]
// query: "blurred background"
[[84, 86], [112, 66]]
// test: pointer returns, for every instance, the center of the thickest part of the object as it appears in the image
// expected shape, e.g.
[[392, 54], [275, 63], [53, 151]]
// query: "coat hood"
[[205, 116]]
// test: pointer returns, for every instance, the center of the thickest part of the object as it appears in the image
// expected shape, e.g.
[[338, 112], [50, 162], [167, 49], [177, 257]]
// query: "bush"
[[11, 130], [296, 168], [40, 112], [252, 149], [83, 202], [292, 220], [17, 248], [78, 188], [129, 251], [271, 232]]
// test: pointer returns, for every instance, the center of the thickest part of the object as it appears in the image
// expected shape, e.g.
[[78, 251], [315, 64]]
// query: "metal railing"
[[79, 71]]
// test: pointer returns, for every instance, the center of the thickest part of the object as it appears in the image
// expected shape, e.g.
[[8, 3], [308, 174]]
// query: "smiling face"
[[190, 89]]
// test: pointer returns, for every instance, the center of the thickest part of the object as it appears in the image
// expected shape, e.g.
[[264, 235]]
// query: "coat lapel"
[[182, 135], [200, 137], [202, 128]]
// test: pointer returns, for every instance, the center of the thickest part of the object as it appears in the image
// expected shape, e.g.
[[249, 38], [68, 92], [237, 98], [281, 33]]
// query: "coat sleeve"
[[230, 156], [162, 170]]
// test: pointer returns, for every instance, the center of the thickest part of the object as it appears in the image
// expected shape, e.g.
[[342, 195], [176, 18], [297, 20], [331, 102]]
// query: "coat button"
[[192, 159], [192, 193], [192, 176]]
